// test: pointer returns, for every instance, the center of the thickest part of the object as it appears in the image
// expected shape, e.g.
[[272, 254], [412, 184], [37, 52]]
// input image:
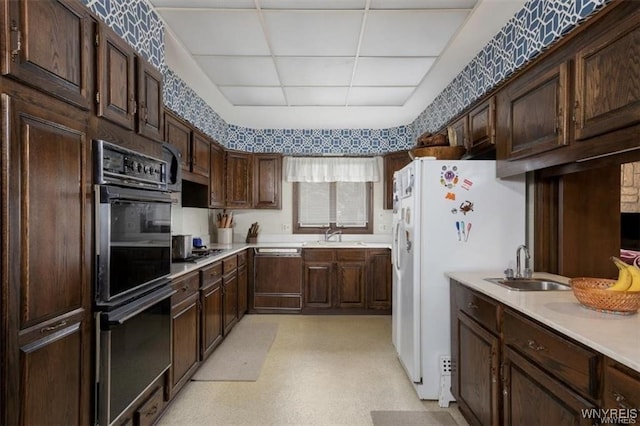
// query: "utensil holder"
[[225, 235]]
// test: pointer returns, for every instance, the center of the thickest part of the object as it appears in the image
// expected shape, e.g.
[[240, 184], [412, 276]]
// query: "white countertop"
[[181, 268], [616, 336]]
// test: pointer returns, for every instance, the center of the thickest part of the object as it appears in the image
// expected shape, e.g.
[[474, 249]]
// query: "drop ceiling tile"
[[253, 96], [379, 96], [422, 4], [308, 71], [220, 32], [240, 70], [409, 32], [309, 96], [313, 33], [206, 4], [312, 4], [391, 71]]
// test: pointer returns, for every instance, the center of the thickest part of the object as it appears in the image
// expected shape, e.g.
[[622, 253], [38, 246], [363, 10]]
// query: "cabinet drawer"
[[242, 258], [151, 409], [621, 388], [185, 286], [211, 273], [481, 309], [347, 254], [229, 264], [318, 255], [563, 359]]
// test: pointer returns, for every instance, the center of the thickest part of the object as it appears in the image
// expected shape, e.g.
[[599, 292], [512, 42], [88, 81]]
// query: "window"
[[344, 206]]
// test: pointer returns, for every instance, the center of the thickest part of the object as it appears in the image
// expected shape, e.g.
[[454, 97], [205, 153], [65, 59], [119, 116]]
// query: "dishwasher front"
[[277, 280]]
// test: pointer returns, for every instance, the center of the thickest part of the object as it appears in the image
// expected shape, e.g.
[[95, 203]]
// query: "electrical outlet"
[[286, 227]]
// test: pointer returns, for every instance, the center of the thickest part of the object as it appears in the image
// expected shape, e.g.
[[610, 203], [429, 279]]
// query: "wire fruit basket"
[[593, 294]]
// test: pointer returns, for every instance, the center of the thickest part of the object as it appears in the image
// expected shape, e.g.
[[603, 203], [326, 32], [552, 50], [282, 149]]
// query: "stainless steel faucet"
[[328, 234], [527, 271]]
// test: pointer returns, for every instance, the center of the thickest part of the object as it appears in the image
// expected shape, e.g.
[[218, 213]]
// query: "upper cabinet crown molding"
[[37, 53]]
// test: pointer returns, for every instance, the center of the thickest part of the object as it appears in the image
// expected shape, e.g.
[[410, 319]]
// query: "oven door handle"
[[109, 193], [121, 315]]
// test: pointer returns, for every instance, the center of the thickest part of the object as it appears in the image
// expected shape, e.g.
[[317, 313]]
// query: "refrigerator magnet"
[[466, 184], [450, 196], [449, 176], [466, 207]]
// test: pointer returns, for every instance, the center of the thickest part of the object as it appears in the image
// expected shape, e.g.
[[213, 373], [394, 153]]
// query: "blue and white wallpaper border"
[[533, 29]]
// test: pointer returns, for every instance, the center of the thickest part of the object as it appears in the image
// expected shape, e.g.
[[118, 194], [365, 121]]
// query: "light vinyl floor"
[[320, 370]]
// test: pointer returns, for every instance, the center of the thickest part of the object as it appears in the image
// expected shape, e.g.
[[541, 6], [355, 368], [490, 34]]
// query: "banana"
[[619, 263], [624, 280], [634, 271]]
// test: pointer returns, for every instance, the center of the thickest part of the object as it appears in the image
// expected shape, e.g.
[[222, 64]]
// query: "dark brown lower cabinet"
[[478, 360], [243, 283], [350, 284], [533, 397], [185, 315], [230, 298], [379, 279], [211, 320], [318, 284]]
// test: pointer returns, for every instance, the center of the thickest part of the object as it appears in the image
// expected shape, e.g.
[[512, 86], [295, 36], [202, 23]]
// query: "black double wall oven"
[[132, 263]]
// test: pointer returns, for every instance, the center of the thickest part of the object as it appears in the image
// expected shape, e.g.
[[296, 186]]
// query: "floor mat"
[[402, 418], [241, 355]]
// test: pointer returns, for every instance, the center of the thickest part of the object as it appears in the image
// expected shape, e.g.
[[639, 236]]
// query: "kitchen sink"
[[529, 284], [323, 243]]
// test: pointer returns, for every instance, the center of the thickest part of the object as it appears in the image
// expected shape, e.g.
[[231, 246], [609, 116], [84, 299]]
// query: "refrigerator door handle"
[[396, 245]]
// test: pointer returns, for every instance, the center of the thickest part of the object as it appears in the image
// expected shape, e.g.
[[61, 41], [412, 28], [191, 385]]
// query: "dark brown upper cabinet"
[[46, 44], [482, 130], [115, 98], [178, 133], [200, 155], [461, 130], [267, 181], [129, 89], [534, 112], [239, 180], [216, 176], [150, 105], [607, 94], [392, 163]]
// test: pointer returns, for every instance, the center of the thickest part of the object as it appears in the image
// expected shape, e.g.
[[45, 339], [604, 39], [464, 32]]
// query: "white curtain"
[[324, 169]]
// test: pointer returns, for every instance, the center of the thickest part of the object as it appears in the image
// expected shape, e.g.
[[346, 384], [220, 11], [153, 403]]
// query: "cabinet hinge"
[[16, 40], [97, 97]]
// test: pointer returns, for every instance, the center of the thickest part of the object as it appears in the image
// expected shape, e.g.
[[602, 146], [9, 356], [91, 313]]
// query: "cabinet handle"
[[17, 45], [533, 345], [53, 327], [185, 287], [558, 128], [576, 108], [472, 305], [620, 399], [134, 105], [152, 411], [143, 112]]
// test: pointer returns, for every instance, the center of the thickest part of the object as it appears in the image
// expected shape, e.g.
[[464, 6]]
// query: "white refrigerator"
[[447, 216]]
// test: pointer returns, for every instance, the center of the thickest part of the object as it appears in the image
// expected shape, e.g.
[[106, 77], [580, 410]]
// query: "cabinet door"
[[39, 54], [186, 341], [536, 111], [477, 377], [242, 290], [230, 286], [200, 155], [392, 163], [46, 252], [267, 181], [533, 397], [621, 388], [607, 73], [238, 185], [211, 299], [379, 280], [216, 176], [350, 283], [461, 130], [150, 106], [178, 134], [318, 284], [482, 133], [116, 68]]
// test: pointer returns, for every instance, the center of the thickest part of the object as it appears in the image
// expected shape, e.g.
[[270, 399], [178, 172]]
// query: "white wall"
[[275, 225]]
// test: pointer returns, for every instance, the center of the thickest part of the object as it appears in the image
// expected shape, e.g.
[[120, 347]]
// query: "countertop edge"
[[560, 311]]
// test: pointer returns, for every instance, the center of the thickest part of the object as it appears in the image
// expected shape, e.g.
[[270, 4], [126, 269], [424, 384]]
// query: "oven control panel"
[[121, 166]]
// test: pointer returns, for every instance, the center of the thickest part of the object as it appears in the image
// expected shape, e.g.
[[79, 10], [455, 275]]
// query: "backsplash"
[[630, 188], [529, 32]]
